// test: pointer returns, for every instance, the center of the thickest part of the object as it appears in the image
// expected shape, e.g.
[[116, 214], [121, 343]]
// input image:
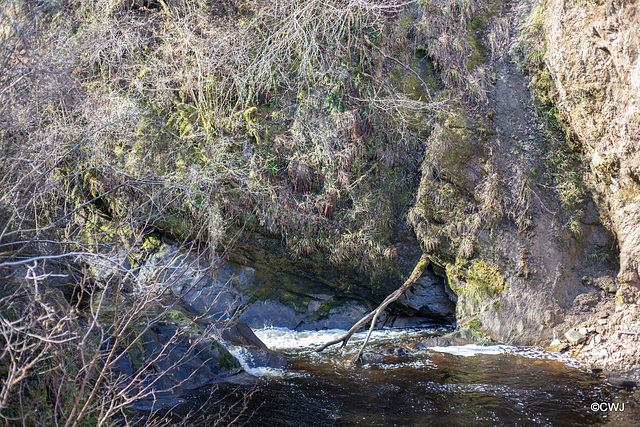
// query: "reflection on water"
[[458, 385]]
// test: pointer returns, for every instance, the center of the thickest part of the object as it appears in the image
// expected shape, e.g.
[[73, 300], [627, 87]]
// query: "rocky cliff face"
[[592, 59], [322, 151], [504, 205], [529, 201]]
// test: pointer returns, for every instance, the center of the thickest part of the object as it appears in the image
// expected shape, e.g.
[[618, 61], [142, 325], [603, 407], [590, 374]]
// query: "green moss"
[[479, 49], [226, 361], [477, 278], [411, 85], [151, 243], [473, 324], [250, 115], [185, 117], [178, 317], [324, 309], [464, 140], [293, 299]]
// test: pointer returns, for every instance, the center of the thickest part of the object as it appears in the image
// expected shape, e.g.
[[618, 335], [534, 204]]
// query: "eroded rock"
[[179, 274], [557, 347], [254, 353], [575, 337], [428, 295], [171, 360]]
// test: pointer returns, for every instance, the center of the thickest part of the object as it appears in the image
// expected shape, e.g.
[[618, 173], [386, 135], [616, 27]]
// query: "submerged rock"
[[450, 339], [372, 357], [620, 382], [395, 352], [433, 342]]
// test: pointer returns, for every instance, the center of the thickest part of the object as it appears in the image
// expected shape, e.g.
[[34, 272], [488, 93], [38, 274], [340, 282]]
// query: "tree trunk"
[[373, 316]]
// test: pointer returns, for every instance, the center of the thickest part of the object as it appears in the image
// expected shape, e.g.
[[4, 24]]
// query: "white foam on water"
[[298, 342], [473, 349], [417, 364], [246, 361], [542, 354], [283, 338], [287, 339], [528, 352]]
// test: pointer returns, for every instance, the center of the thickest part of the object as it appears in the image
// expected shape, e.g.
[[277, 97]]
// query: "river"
[[466, 385]]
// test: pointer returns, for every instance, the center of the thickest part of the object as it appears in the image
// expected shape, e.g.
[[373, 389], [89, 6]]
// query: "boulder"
[[212, 293], [433, 342], [575, 337], [557, 347], [428, 296], [372, 357], [179, 356], [340, 315], [241, 339], [259, 357], [171, 360], [270, 313], [238, 334]]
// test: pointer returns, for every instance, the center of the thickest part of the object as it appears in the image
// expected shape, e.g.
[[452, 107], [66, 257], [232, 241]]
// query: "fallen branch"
[[373, 316]]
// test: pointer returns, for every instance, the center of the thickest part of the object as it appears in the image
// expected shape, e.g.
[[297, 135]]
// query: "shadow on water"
[[466, 386]]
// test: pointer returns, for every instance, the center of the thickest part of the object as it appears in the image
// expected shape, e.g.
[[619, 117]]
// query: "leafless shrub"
[[447, 28], [72, 195], [72, 353]]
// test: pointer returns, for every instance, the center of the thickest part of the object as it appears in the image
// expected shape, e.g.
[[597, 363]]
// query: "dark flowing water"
[[459, 385]]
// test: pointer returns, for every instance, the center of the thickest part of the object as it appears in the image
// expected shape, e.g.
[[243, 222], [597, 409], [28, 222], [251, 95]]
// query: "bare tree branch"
[[373, 316]]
